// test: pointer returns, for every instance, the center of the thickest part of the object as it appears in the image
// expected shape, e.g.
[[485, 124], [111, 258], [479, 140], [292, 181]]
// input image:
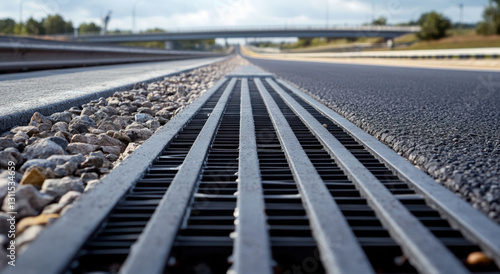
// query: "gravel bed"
[[445, 122], [58, 157]]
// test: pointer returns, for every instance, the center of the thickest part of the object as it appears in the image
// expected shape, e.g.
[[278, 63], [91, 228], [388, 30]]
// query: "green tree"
[[89, 28], [68, 27], [422, 19], [434, 27], [7, 26], [155, 30], [210, 42], [33, 27], [304, 42], [193, 44], [381, 21], [55, 24], [20, 29], [491, 23]]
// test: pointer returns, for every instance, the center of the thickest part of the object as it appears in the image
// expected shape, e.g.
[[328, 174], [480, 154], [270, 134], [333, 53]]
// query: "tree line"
[[434, 25], [52, 24]]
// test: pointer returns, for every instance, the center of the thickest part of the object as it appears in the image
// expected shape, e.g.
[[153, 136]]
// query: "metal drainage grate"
[[258, 178]]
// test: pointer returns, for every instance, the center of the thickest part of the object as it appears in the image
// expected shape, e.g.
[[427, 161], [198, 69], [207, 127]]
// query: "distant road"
[[475, 58], [450, 118]]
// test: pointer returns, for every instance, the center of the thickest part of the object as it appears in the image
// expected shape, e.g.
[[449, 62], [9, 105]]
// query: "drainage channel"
[[257, 178]]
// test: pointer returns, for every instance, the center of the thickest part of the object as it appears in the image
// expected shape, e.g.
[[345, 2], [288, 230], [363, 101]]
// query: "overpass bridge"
[[387, 32]]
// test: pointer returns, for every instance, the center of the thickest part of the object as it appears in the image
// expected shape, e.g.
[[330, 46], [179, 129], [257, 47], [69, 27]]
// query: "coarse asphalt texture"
[[447, 122]]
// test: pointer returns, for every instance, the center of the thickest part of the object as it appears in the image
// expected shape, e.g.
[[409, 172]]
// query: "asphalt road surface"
[[447, 122]]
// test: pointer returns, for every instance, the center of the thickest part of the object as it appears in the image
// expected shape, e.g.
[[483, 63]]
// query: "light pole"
[[133, 15], [461, 14], [21, 11], [327, 12], [373, 10]]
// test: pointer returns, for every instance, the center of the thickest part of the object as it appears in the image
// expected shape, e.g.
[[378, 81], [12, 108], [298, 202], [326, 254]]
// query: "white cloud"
[[174, 14]]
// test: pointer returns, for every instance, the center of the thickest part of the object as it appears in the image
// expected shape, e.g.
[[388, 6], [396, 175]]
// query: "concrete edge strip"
[[252, 250], [339, 248], [53, 64], [476, 226], [56, 247], [436, 57], [408, 231], [27, 45], [149, 253], [23, 117]]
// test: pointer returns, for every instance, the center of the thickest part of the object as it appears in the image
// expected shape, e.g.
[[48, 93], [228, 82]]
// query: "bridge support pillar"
[[390, 43], [169, 45]]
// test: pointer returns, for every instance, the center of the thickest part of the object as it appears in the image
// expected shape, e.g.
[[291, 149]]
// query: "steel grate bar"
[[149, 253], [252, 251], [473, 224], [340, 251], [431, 257], [209, 242]]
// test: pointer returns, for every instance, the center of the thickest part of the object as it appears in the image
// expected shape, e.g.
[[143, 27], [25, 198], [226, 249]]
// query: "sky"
[[185, 14]]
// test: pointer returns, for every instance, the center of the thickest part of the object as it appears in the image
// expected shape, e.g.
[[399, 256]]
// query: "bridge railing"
[[262, 28]]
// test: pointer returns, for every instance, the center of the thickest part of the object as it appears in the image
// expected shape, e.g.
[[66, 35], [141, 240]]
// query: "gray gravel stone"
[[60, 126], [146, 110], [81, 148], [58, 187], [43, 149], [108, 125], [6, 142], [164, 113], [105, 140], [45, 163], [10, 155], [143, 117], [65, 200], [61, 159], [83, 119], [61, 117], [135, 125], [20, 137], [152, 124], [66, 169], [62, 142], [29, 202], [30, 130], [138, 134], [100, 116], [78, 128], [38, 118], [89, 176], [96, 159], [111, 149]]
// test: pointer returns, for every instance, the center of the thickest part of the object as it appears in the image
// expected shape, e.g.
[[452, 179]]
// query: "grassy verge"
[[456, 39]]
